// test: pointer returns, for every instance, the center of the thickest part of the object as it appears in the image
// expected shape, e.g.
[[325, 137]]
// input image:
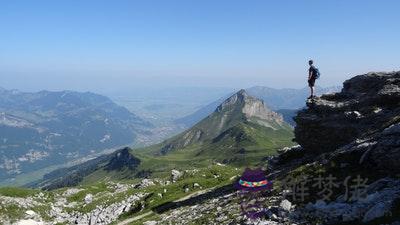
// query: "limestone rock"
[[88, 198], [175, 175], [29, 222], [334, 120], [286, 205]]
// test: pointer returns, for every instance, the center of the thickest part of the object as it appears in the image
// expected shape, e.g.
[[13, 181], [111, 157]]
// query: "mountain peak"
[[239, 99], [249, 106], [237, 109], [242, 92]]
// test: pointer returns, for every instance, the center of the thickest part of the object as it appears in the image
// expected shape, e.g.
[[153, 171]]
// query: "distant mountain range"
[[276, 99], [49, 128], [240, 131]]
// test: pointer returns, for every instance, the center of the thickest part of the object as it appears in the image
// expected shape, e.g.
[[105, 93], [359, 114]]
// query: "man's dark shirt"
[[313, 72]]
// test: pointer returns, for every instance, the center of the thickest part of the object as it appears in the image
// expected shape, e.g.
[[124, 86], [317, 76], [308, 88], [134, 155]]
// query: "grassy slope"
[[205, 177], [244, 144], [256, 140]]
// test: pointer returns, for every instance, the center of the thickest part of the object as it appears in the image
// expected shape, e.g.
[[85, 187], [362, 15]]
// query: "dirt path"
[[194, 194], [129, 220]]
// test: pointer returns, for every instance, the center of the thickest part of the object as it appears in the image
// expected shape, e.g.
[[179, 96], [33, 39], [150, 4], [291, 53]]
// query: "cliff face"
[[247, 108], [353, 133], [366, 105]]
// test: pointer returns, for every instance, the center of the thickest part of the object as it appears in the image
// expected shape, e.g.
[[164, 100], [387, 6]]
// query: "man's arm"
[[309, 74]]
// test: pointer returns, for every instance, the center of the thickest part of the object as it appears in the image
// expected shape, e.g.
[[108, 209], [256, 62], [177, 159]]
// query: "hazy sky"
[[97, 45]]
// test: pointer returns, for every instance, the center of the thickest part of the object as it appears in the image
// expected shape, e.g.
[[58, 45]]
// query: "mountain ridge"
[[60, 126]]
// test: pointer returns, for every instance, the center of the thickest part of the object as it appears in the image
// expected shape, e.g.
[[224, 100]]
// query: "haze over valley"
[[65, 128]]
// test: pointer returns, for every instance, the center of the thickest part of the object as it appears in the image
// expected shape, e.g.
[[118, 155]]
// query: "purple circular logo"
[[252, 186]]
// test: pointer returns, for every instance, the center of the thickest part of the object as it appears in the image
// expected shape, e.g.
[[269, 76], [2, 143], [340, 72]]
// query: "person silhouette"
[[312, 76]]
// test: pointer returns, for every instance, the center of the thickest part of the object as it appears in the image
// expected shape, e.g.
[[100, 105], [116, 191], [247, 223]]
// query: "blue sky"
[[98, 44]]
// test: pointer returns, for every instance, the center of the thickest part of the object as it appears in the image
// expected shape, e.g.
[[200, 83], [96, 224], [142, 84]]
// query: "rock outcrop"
[[175, 175], [367, 104], [355, 132]]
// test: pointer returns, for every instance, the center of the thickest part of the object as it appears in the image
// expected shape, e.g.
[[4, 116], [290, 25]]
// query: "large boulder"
[[175, 175], [367, 104]]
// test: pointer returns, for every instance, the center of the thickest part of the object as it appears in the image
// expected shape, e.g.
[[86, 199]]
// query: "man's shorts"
[[311, 82]]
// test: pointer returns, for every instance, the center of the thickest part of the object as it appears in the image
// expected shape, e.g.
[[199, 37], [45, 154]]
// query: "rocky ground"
[[106, 202], [227, 209], [62, 210]]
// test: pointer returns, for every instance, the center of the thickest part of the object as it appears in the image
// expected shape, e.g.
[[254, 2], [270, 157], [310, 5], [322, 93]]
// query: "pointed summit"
[[237, 109], [242, 93], [238, 98], [249, 106]]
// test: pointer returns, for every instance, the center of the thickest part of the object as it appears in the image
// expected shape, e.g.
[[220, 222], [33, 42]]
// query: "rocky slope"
[[107, 202]]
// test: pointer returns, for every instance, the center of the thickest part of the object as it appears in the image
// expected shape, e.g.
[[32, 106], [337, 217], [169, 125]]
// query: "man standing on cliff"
[[313, 74]]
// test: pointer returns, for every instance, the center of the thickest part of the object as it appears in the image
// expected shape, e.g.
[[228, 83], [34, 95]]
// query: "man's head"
[[310, 62]]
